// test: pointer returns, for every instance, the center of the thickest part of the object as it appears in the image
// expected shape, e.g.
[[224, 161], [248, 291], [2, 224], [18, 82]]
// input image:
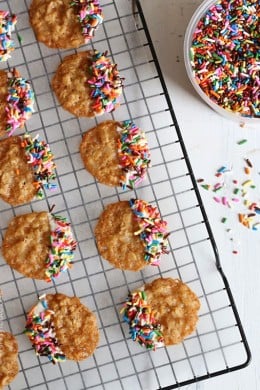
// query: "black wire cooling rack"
[[219, 345]]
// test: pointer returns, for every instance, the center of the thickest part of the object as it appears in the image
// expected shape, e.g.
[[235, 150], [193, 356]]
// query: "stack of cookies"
[[129, 234]]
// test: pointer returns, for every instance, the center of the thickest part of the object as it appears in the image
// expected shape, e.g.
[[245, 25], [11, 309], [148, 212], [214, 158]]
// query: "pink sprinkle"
[[218, 185], [218, 200], [236, 200], [224, 200]]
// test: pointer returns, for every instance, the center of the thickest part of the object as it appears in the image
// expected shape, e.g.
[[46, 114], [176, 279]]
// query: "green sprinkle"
[[242, 141], [205, 186], [253, 186], [224, 220], [236, 191]]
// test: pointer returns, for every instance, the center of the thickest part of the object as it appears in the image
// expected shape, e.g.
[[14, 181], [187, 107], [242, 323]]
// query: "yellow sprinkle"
[[247, 183]]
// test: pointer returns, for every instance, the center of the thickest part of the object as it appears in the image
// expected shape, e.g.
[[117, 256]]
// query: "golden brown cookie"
[[65, 24], [8, 358], [68, 329], [128, 241], [87, 84], [39, 245], [16, 101], [26, 167], [163, 312], [116, 153]]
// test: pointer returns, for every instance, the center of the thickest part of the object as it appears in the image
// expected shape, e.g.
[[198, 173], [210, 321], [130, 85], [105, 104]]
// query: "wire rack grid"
[[219, 344]]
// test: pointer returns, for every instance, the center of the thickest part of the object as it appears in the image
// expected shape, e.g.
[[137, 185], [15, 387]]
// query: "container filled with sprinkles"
[[222, 57]]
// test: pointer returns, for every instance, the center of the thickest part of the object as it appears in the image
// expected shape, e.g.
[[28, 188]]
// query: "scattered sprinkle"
[[247, 183], [242, 142], [105, 82], [249, 163], [62, 246], [134, 154], [152, 230], [7, 25], [39, 156], [247, 171], [20, 101], [41, 332], [224, 220], [206, 186], [222, 169], [224, 55], [235, 252], [90, 16], [144, 328], [200, 180]]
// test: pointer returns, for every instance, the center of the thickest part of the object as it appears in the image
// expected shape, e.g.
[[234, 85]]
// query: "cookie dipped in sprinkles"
[[131, 235], [116, 153], [90, 16], [61, 327], [143, 327], [152, 230], [87, 84], [40, 330], [105, 83], [62, 246], [39, 245], [7, 26], [163, 312]]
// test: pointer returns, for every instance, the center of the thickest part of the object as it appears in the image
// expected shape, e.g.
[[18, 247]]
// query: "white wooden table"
[[211, 141]]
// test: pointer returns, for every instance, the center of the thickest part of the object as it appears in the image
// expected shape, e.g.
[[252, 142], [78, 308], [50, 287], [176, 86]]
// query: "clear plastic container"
[[198, 14]]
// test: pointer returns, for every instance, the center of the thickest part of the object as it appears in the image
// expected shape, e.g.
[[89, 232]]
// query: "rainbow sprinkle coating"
[[39, 156], [152, 230], [20, 100], [62, 246], [105, 82], [90, 16], [143, 326], [41, 332], [134, 154], [7, 24], [225, 55]]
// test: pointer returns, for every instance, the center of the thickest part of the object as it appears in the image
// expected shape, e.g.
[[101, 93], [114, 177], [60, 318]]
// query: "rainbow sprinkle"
[[62, 247], [105, 82], [134, 154], [39, 156], [225, 54], [41, 332], [144, 328], [90, 16], [152, 230], [7, 24], [20, 100]]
